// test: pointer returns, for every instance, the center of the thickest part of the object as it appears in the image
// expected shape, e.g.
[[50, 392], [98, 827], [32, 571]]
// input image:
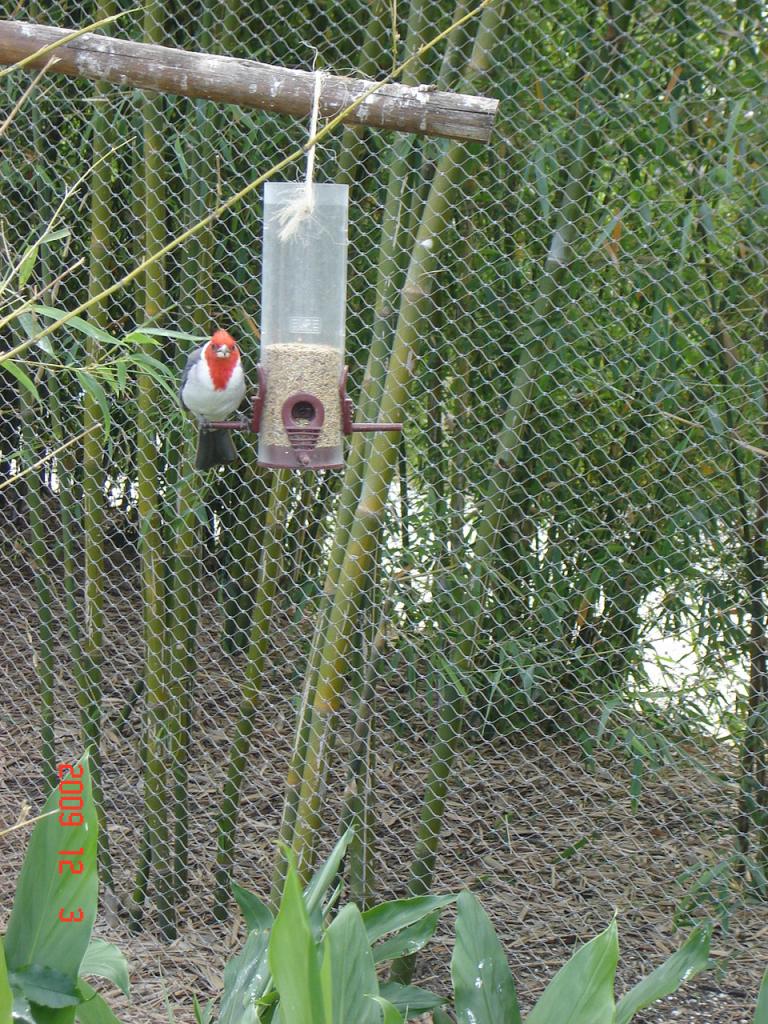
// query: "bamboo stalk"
[[351, 147], [155, 847], [44, 656], [496, 499], [249, 504], [460, 401], [371, 507], [91, 639], [35, 502], [360, 812], [271, 563], [388, 282], [197, 260], [752, 816], [182, 660]]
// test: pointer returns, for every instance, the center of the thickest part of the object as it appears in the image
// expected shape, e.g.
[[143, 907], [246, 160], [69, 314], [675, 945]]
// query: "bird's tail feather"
[[214, 448]]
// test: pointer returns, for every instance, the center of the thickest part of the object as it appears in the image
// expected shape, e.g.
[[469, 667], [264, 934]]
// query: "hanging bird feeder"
[[302, 411]]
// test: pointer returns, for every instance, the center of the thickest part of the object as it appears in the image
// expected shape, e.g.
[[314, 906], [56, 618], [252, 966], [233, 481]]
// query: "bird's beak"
[[223, 351]]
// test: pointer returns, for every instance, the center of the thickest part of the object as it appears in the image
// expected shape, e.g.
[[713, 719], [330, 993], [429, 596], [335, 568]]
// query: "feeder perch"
[[301, 412]]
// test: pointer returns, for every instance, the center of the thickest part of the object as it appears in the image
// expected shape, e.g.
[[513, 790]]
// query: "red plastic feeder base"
[[278, 456]]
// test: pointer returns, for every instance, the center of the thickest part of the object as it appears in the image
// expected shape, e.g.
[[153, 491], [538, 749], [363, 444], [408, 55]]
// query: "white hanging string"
[[293, 213]]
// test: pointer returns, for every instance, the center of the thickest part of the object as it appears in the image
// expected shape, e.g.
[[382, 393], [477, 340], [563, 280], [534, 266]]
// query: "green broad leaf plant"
[[47, 950], [315, 964]]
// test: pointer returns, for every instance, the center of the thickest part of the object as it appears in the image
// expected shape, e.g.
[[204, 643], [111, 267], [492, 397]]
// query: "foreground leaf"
[[582, 991], [245, 978], [257, 914], [45, 986], [410, 1000], [22, 377], [27, 264], [203, 1014], [687, 962], [396, 914], [51, 1015], [103, 960], [761, 1011], [22, 1011], [326, 873], [348, 973], [75, 323], [293, 959], [407, 941], [35, 934], [93, 1009], [484, 990], [391, 1016], [6, 996]]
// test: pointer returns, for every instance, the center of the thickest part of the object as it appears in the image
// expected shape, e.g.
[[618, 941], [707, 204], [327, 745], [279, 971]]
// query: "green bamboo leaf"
[[103, 960], [76, 324], [761, 1010], [582, 991], [484, 990], [93, 1009], [55, 236], [293, 959], [542, 182], [159, 332], [686, 235], [396, 914], [28, 264], [707, 220], [738, 106], [22, 377], [150, 363], [36, 934], [409, 940], [687, 962], [6, 996], [348, 974]]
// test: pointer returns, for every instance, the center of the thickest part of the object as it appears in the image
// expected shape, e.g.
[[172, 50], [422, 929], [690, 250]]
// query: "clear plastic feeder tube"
[[304, 281]]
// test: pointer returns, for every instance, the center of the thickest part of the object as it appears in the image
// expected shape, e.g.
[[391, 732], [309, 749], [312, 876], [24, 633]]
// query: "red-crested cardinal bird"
[[212, 387]]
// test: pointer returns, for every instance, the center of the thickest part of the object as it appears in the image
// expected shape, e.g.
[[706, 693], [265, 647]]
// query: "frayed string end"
[[296, 212]]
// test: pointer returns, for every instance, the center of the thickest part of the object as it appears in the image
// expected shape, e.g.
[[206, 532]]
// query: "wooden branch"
[[248, 83]]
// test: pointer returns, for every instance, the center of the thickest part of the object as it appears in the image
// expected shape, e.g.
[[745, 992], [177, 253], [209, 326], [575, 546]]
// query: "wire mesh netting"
[[521, 648]]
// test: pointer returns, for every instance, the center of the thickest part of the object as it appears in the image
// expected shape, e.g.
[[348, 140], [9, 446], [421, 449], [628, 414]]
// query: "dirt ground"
[[551, 844]]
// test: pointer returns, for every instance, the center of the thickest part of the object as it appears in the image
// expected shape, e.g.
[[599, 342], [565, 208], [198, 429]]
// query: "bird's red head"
[[222, 356], [223, 344]]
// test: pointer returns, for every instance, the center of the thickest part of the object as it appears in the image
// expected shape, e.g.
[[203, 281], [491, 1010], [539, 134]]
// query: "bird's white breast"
[[202, 398]]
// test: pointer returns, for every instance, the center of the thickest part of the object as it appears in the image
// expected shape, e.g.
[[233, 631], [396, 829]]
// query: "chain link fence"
[[523, 649]]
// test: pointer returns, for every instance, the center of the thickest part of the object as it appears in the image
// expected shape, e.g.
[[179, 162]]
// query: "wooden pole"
[[248, 83]]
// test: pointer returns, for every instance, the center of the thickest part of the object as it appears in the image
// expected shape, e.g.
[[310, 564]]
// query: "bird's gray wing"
[[194, 358]]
